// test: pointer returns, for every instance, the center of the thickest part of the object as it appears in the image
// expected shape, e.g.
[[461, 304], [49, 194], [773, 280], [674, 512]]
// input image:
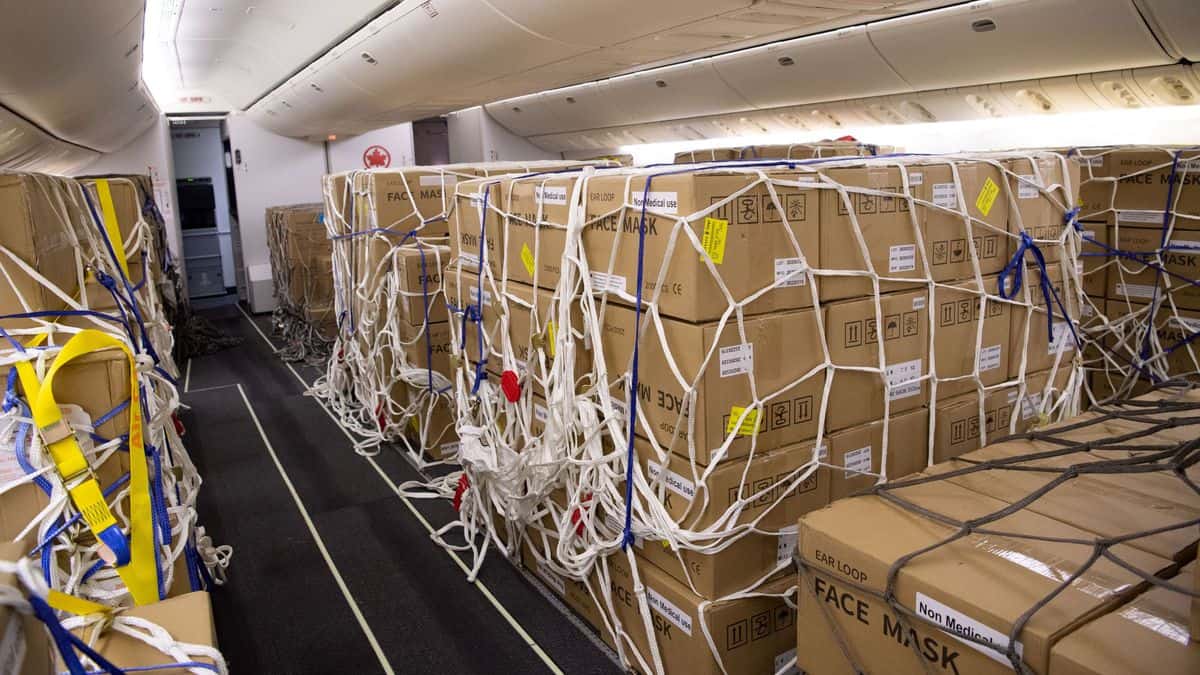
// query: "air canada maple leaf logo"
[[377, 157]]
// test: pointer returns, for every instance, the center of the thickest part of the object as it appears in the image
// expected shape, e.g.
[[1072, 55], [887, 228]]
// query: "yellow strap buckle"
[[58, 430]]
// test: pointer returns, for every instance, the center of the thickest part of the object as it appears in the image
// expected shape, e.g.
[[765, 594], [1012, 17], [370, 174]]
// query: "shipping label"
[[987, 196], [610, 283], [902, 258], [958, 624], [945, 195], [1135, 290], [681, 619], [1152, 217], [903, 379], [786, 544], [857, 462], [789, 272], [713, 239], [749, 422], [1061, 334], [1027, 187], [989, 358], [736, 359]]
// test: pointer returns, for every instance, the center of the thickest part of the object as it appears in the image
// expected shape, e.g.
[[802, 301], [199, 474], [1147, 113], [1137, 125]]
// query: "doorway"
[[206, 207]]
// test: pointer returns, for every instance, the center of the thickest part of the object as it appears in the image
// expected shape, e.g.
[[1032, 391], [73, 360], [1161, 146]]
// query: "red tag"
[[463, 484], [179, 429], [577, 516], [510, 385]]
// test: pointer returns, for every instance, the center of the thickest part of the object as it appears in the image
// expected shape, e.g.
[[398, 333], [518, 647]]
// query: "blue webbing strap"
[[67, 642]]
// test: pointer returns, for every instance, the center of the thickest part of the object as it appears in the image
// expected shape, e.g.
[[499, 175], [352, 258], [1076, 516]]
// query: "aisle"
[[332, 571]]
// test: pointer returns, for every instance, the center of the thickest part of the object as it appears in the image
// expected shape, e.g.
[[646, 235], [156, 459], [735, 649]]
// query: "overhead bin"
[[24, 147], [828, 67], [689, 89], [1008, 40], [1174, 22]]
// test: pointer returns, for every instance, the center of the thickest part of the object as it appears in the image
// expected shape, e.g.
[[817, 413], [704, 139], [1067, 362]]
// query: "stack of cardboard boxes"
[[1140, 212], [1025, 568], [730, 403], [300, 261], [48, 224]]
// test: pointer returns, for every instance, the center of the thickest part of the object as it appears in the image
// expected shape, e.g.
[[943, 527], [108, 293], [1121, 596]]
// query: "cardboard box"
[[427, 348], [1039, 191], [697, 503], [186, 618], [1143, 181], [98, 383], [780, 349], [957, 425], [25, 647], [748, 243], [1108, 508], [888, 227], [976, 584], [401, 199], [100, 299], [852, 333], [1171, 330], [470, 222], [1149, 634], [34, 232], [948, 244], [1036, 347], [534, 330], [435, 418], [958, 345], [1180, 256], [859, 451], [751, 635], [1093, 267], [417, 279], [736, 568], [537, 229], [710, 155]]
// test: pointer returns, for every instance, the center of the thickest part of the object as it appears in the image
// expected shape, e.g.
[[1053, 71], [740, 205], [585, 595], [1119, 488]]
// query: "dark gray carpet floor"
[[282, 610]]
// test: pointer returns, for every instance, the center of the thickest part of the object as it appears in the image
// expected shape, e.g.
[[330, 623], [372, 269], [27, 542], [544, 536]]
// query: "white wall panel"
[[346, 154]]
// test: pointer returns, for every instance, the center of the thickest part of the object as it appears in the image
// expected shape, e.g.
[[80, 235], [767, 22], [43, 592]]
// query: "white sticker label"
[[476, 199], [449, 449], [1087, 311], [858, 462], [438, 181], [475, 295], [783, 659], [1135, 290], [737, 359], [12, 645], [823, 453], [1027, 187], [902, 258], [540, 413], [945, 195], [919, 302], [786, 544], [551, 578], [789, 266], [469, 259], [1191, 325], [1155, 217], [674, 482], [989, 358], [551, 194], [1031, 405], [1180, 243], [916, 178], [902, 379], [1061, 334], [667, 202], [610, 283], [681, 619], [959, 624], [1097, 160]]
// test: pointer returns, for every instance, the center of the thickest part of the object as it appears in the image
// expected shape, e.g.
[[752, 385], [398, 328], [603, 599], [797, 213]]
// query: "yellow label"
[[987, 196], [713, 240], [550, 333], [748, 425], [527, 258], [415, 424]]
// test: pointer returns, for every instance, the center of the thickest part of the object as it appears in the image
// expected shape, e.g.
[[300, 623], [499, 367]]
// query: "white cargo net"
[[561, 488], [303, 309], [1144, 259], [380, 382], [69, 558]]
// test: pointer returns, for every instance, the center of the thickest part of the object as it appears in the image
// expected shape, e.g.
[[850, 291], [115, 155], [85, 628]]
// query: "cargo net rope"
[[371, 384], [380, 381], [1141, 336], [1120, 446], [297, 318], [574, 490], [103, 536]]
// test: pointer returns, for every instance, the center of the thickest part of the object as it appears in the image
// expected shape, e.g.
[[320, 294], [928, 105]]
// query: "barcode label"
[[902, 258], [1155, 217], [1027, 187], [736, 359], [1135, 290], [789, 266]]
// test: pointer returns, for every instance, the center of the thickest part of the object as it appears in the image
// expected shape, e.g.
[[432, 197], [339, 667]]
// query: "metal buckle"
[[58, 431]]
